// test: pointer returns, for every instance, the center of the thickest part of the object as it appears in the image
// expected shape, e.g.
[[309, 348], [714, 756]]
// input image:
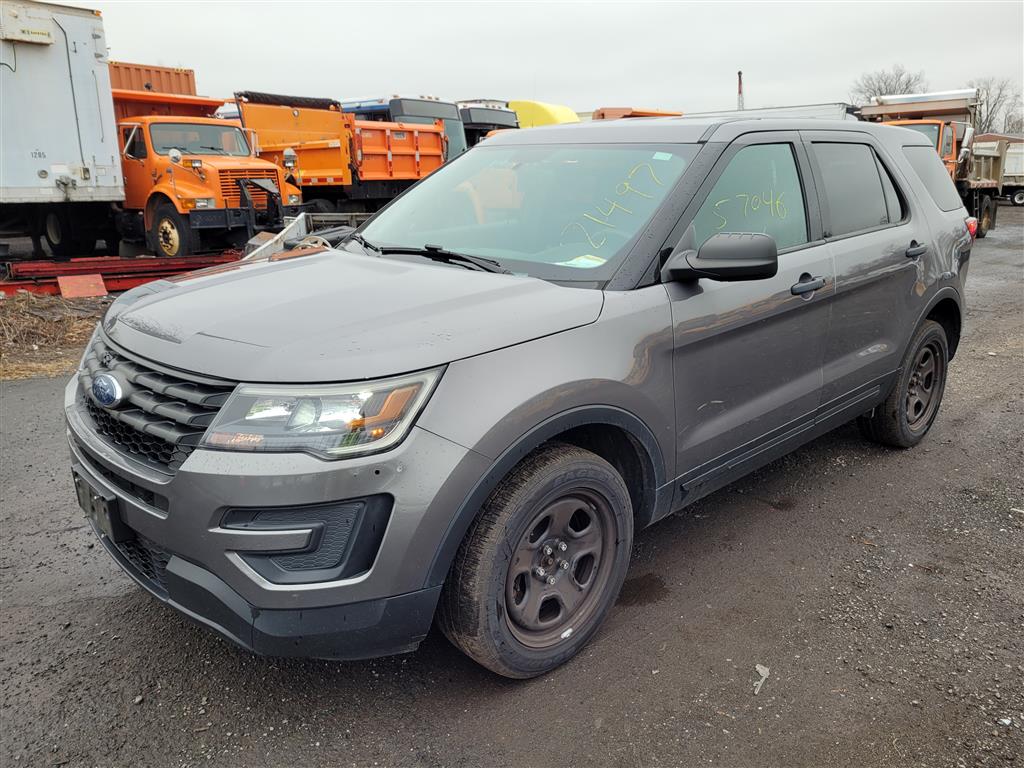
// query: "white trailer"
[[60, 166], [837, 110]]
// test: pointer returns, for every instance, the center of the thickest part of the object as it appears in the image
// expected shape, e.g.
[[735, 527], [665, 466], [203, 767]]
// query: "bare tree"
[[995, 96], [886, 82], [1013, 120]]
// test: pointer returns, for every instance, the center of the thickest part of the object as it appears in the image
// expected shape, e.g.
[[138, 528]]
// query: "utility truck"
[[338, 161], [481, 117], [193, 182], [947, 120], [59, 167]]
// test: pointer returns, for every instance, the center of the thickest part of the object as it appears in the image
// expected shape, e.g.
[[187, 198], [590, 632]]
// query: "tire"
[[1017, 198], [909, 411], [59, 235], [496, 607], [986, 217], [170, 233]]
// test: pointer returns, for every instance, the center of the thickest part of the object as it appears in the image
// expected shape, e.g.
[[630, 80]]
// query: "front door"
[[137, 178], [748, 355]]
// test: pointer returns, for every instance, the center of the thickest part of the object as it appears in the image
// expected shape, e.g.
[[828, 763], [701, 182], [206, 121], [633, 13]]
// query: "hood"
[[337, 316]]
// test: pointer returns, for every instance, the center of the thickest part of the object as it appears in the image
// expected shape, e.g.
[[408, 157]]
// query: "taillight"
[[972, 226]]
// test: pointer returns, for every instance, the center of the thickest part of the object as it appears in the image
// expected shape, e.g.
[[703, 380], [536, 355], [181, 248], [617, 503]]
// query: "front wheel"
[[908, 413], [170, 232], [542, 565], [1017, 197]]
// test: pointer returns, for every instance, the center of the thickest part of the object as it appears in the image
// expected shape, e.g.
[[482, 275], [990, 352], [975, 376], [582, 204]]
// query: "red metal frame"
[[118, 274]]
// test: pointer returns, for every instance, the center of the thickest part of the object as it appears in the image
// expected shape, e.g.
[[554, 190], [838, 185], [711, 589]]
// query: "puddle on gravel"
[[643, 590]]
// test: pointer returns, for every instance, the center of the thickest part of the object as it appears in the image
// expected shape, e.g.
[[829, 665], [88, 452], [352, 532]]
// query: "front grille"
[[163, 416], [148, 560], [232, 193]]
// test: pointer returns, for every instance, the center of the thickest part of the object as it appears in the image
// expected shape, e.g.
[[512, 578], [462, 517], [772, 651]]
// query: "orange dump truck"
[[192, 181], [339, 162]]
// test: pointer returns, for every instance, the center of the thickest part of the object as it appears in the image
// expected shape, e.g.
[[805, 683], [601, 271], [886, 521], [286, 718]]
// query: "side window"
[[947, 139], [933, 174], [853, 189], [759, 191], [893, 202], [134, 145]]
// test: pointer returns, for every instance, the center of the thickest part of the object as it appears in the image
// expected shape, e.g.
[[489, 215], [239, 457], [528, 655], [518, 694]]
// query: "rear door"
[[748, 355], [879, 242]]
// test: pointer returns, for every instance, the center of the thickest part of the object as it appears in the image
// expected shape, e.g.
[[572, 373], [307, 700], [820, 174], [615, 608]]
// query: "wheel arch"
[[618, 436], [945, 309], [157, 197]]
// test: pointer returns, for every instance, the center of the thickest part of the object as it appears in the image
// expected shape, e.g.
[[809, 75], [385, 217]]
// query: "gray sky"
[[665, 55]]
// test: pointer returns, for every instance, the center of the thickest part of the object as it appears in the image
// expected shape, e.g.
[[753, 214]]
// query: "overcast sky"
[[662, 55]]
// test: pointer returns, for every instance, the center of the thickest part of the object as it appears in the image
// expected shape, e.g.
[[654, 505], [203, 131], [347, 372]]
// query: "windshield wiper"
[[363, 242], [216, 149], [437, 253]]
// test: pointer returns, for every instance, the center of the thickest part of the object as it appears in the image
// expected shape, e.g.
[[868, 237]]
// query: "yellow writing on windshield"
[[624, 189]]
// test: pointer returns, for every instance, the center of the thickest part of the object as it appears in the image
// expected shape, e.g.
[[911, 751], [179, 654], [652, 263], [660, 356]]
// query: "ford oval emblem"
[[107, 390]]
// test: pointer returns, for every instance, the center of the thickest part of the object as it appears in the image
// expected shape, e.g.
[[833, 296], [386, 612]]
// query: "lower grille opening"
[[148, 560]]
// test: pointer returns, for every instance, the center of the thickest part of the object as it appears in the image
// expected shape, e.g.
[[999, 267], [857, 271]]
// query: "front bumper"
[[202, 568]]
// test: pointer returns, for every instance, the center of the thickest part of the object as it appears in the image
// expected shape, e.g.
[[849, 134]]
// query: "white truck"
[[60, 166], [1013, 173]]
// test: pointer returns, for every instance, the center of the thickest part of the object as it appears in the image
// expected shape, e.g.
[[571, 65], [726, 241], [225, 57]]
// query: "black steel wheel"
[[913, 404], [1017, 197], [543, 564]]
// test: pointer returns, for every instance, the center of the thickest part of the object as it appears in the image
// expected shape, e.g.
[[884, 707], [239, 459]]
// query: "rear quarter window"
[[934, 176]]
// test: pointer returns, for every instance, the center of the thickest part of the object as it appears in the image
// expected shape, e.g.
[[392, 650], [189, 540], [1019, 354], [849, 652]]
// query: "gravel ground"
[[884, 592]]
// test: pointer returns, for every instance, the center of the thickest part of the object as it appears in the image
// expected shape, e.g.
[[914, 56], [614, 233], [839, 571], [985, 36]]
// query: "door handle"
[[807, 284], [916, 249]]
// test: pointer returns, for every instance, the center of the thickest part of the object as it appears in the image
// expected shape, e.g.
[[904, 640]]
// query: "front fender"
[[503, 404]]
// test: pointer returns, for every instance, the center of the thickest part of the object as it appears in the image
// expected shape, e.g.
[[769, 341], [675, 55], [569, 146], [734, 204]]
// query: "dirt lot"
[[883, 590]]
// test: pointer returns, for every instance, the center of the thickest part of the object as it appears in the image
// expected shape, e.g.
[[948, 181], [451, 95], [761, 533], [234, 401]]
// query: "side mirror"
[[727, 256]]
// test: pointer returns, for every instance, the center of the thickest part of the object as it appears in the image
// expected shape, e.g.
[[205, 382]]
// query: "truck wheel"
[[908, 413], [987, 217], [1018, 197], [542, 565], [60, 236], [170, 232]]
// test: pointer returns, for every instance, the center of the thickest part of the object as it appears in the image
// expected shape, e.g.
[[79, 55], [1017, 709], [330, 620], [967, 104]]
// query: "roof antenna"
[[739, 89]]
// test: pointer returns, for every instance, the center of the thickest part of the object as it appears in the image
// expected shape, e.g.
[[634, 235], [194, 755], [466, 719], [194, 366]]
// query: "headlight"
[[197, 202], [294, 199], [331, 421]]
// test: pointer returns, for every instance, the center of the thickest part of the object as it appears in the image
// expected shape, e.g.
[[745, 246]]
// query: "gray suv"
[[465, 411]]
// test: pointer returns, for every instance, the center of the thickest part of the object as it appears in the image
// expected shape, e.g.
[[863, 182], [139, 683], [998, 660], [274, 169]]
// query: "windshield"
[[929, 130], [565, 212], [198, 139]]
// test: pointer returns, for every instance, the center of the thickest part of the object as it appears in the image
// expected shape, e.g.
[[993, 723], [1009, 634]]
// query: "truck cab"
[[946, 136], [192, 183]]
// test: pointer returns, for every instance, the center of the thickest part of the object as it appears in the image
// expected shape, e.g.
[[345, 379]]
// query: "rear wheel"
[[170, 232], [542, 565], [61, 237], [985, 220], [908, 413], [1018, 197]]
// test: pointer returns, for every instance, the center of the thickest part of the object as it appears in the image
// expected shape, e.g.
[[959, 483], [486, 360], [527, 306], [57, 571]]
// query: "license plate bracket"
[[102, 508]]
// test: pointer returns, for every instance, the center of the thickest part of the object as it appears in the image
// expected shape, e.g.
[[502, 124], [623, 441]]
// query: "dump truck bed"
[[331, 145]]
